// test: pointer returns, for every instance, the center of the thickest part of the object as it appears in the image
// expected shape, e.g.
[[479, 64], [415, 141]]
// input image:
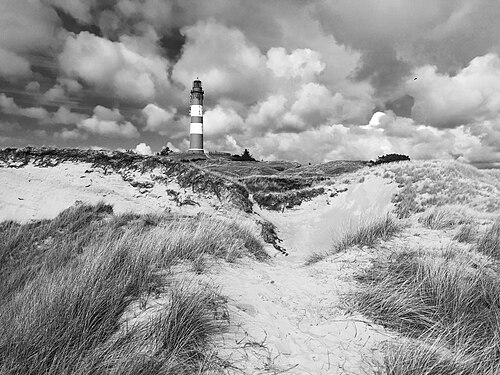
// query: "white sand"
[[288, 316], [31, 192], [283, 315]]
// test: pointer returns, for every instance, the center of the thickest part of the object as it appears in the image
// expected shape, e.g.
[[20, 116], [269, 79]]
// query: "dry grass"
[[489, 242], [366, 234], [425, 184], [369, 234], [444, 217], [449, 300], [466, 233], [67, 282]]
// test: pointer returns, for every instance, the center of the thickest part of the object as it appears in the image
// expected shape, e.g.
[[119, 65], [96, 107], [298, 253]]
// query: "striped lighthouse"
[[196, 111]]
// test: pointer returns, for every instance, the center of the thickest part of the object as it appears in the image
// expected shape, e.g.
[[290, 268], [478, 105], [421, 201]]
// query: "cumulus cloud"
[[301, 63], [143, 149], [221, 121], [113, 67], [9, 106], [108, 122], [65, 116], [18, 42], [70, 135], [13, 66], [282, 77], [158, 119], [473, 94], [239, 73]]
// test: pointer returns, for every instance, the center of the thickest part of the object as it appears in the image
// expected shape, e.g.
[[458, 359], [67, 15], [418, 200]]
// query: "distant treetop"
[[389, 158], [245, 156]]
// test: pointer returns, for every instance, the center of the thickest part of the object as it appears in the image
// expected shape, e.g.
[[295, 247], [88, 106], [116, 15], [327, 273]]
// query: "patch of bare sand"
[[287, 318], [31, 192]]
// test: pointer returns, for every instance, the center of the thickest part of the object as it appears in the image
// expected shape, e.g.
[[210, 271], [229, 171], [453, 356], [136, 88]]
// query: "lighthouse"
[[196, 112]]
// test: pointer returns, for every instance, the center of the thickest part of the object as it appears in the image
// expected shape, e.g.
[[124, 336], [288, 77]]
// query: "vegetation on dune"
[[443, 217], [287, 199], [489, 242], [437, 183], [275, 183], [466, 233], [389, 158], [187, 175], [448, 301], [368, 234], [66, 283], [365, 234]]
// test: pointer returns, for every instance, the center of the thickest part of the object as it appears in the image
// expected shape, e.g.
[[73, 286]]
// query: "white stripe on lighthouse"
[[196, 128], [196, 110]]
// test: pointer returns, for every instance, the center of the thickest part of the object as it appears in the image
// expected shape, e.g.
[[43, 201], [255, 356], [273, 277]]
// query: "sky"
[[287, 79]]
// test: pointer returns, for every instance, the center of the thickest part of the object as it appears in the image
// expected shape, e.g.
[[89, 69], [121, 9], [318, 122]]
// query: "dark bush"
[[245, 156], [389, 158]]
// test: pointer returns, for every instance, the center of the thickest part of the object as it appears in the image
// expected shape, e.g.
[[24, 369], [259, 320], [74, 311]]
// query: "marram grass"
[[67, 282]]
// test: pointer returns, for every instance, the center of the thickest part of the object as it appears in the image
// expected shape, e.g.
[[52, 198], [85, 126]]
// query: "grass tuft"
[[466, 233], [369, 234], [442, 297], [443, 217], [67, 283], [489, 242]]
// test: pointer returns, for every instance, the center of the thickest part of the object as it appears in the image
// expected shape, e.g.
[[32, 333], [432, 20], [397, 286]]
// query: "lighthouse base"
[[196, 151]]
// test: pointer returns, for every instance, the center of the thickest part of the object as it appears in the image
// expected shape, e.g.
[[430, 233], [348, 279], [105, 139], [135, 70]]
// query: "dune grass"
[[444, 217], [448, 300], [368, 234], [425, 184], [67, 282], [466, 233], [365, 234], [489, 242]]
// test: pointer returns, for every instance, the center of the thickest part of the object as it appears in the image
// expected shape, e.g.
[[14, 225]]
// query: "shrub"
[[389, 158]]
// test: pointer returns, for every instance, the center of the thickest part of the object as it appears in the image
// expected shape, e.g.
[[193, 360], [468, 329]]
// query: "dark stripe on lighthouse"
[[196, 119], [196, 142]]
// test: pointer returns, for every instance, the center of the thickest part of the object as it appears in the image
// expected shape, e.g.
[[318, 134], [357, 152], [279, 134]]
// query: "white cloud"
[[226, 62], [32, 86], [301, 63], [220, 121], [70, 135], [157, 119], [55, 93], [113, 67], [64, 116], [473, 94], [143, 149], [9, 106], [108, 122], [13, 65]]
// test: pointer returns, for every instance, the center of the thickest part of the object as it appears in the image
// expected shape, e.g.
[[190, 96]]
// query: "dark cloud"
[[401, 106], [71, 24]]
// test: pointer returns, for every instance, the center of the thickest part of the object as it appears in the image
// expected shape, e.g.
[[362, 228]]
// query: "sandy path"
[[289, 317]]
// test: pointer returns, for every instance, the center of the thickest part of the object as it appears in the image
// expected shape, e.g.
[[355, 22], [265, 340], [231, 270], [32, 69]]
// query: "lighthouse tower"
[[196, 128]]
